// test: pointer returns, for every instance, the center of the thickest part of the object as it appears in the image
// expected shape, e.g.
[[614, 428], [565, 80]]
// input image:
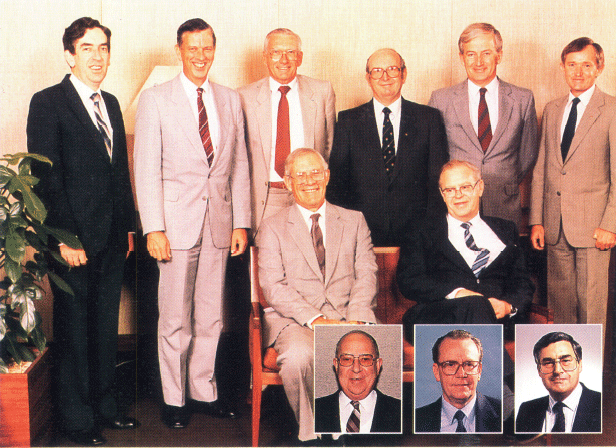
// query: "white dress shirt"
[[450, 424], [491, 100], [569, 409], [581, 107], [366, 411], [394, 117], [296, 123], [85, 93], [210, 107]]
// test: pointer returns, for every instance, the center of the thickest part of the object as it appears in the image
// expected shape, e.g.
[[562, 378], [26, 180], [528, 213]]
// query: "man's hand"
[[537, 237], [604, 240], [501, 308], [131, 243], [158, 246], [239, 241], [74, 257], [323, 321], [466, 292]]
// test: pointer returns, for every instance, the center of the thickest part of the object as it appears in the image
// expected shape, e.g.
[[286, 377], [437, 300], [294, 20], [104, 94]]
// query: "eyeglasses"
[[451, 367], [276, 55], [466, 190], [302, 178], [568, 364], [348, 360], [392, 72]]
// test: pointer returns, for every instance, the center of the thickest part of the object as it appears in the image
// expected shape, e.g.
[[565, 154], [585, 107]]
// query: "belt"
[[277, 185]]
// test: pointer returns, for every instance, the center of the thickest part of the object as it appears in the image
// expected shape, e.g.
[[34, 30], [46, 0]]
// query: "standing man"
[[283, 112], [87, 192], [387, 154], [573, 196], [490, 123], [191, 174]]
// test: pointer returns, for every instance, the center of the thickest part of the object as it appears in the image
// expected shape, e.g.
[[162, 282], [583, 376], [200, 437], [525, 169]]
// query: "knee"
[[297, 359]]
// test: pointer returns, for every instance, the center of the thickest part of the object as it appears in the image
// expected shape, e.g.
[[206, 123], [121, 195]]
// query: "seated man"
[[463, 268], [457, 366], [316, 266], [570, 406], [358, 406]]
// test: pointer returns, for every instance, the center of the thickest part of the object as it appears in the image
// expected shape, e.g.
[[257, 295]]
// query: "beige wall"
[[338, 36]]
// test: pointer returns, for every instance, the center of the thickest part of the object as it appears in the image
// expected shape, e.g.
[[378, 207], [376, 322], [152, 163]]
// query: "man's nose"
[[558, 368], [356, 365]]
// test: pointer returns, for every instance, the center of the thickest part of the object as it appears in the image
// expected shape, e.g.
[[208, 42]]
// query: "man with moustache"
[[457, 367]]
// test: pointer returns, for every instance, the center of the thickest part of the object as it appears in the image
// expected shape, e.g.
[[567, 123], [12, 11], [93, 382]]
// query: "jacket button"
[[477, 281], [558, 193]]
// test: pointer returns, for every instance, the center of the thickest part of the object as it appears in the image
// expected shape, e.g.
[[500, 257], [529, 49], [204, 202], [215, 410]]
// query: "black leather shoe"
[[88, 437], [121, 422], [216, 409], [176, 417]]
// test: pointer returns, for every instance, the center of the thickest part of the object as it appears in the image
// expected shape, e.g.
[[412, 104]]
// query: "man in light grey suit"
[[311, 119], [316, 266], [507, 146], [192, 182], [573, 194]]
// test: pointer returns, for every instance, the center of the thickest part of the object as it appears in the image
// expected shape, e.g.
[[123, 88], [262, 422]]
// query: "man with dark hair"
[[358, 406], [457, 365], [570, 406], [191, 177], [573, 194], [387, 154], [87, 191], [490, 123]]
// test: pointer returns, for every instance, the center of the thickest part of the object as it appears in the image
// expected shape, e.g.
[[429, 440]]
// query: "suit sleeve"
[[330, 117], [608, 221], [240, 175], [439, 155], [44, 135], [339, 190], [529, 142], [537, 186], [519, 288]]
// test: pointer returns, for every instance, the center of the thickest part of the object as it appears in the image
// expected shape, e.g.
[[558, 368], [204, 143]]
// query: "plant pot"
[[25, 404]]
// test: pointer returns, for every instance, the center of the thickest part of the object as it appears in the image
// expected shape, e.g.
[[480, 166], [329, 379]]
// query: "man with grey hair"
[[464, 267], [282, 112], [316, 267], [490, 123]]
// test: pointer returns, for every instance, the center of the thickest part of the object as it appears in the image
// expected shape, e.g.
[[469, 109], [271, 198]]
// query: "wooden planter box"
[[25, 404]]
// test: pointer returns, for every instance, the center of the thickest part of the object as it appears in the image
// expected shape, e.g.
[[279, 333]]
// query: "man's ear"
[[70, 58], [437, 374]]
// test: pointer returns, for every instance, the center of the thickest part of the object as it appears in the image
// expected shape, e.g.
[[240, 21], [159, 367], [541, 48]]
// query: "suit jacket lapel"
[[309, 111], [560, 110], [505, 108], [224, 119], [264, 118], [592, 112], [408, 130], [461, 106], [301, 235], [115, 116], [442, 243], [335, 229]]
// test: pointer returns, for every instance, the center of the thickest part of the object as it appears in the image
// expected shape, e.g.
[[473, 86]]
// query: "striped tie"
[[484, 254], [484, 130], [353, 423], [204, 129], [102, 126], [389, 145]]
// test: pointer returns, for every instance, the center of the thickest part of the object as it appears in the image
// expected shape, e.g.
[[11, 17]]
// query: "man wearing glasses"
[[283, 112], [387, 154], [463, 267], [316, 267], [358, 406], [570, 406], [461, 408]]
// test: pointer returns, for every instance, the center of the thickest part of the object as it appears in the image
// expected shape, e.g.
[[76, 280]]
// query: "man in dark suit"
[[463, 267], [457, 366], [570, 406], [358, 406], [503, 143], [387, 154], [87, 192]]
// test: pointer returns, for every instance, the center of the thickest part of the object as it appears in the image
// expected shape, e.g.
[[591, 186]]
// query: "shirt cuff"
[[452, 294], [309, 323]]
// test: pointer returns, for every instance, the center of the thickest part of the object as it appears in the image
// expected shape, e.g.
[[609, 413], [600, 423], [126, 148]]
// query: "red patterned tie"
[[484, 131], [283, 135], [204, 129]]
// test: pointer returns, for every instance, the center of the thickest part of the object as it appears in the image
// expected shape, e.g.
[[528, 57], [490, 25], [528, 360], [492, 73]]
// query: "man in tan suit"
[[316, 266], [311, 115], [573, 196]]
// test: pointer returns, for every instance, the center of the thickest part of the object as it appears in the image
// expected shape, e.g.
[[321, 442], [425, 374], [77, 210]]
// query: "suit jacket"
[[84, 191], [487, 415], [430, 267], [531, 415], [580, 190], [318, 105], [292, 281], [174, 183], [359, 180], [387, 414], [512, 151]]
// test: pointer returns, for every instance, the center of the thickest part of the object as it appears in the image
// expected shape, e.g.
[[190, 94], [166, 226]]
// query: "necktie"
[[102, 126], [204, 129], [484, 254], [317, 242], [459, 416], [283, 134], [389, 145], [353, 422], [559, 423], [484, 130], [565, 144]]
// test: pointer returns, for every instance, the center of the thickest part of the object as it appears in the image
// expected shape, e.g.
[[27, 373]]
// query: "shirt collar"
[[306, 214], [571, 401], [275, 85], [85, 92], [369, 400], [584, 97], [395, 107], [191, 88], [473, 89], [450, 410], [456, 222]]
